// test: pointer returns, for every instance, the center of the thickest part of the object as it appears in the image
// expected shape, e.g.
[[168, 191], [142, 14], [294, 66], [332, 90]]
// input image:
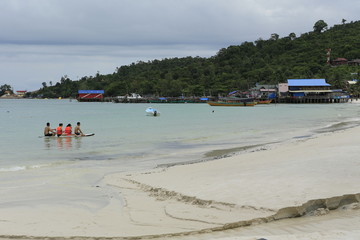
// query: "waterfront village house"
[[339, 61], [352, 82], [264, 91], [313, 91], [90, 95], [21, 93], [7, 94], [355, 62], [283, 89], [344, 61]]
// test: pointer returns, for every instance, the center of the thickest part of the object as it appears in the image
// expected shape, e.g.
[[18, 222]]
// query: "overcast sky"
[[43, 40]]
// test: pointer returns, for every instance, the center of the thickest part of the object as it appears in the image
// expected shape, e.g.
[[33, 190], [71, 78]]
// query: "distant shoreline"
[[11, 97]]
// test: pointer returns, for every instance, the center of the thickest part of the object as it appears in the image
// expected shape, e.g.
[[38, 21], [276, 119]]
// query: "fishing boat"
[[233, 102], [152, 112]]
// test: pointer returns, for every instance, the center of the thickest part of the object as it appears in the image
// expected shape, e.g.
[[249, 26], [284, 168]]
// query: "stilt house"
[[313, 91]]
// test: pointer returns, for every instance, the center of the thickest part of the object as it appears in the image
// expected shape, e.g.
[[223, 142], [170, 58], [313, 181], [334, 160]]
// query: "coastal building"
[[7, 94], [339, 61], [355, 62], [283, 89], [264, 91], [344, 61], [21, 93], [90, 95], [313, 91], [352, 82]]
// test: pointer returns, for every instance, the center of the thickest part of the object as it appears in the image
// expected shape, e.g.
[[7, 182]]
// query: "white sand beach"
[[305, 189]]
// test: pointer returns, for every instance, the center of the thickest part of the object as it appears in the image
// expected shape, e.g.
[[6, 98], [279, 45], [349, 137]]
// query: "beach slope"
[[310, 177], [304, 189]]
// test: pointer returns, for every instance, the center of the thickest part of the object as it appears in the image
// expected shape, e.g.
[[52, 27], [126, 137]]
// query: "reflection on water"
[[62, 143]]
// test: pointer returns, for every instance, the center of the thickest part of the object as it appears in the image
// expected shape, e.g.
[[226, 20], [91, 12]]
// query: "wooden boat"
[[233, 102], [267, 101], [229, 104]]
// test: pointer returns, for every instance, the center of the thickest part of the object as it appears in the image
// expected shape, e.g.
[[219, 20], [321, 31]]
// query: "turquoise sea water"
[[126, 139]]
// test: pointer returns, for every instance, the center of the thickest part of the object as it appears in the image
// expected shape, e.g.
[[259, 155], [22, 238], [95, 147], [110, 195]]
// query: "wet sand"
[[305, 189]]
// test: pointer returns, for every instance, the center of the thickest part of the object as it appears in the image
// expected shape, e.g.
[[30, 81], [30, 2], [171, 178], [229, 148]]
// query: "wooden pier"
[[314, 99]]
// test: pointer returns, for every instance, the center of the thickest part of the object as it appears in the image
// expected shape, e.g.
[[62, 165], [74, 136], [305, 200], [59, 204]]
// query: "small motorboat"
[[152, 112]]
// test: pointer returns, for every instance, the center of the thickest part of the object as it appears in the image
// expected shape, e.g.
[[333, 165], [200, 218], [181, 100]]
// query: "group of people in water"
[[48, 131]]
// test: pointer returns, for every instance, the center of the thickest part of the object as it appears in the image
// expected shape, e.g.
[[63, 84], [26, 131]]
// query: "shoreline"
[[314, 176], [220, 183], [217, 154]]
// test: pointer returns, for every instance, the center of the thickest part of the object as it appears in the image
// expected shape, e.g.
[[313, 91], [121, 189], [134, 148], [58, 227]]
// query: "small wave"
[[338, 126], [223, 153], [23, 168], [13, 169], [220, 153], [303, 136]]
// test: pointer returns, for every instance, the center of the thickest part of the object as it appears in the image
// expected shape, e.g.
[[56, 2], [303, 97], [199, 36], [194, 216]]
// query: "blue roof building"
[[313, 91], [307, 83], [303, 86]]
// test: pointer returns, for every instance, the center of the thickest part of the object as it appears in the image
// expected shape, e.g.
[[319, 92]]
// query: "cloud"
[[115, 22], [23, 64], [49, 39]]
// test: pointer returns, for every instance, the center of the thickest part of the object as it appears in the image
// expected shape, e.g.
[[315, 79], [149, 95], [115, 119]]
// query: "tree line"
[[237, 67]]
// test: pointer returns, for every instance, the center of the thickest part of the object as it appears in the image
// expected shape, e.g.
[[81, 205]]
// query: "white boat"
[[152, 112]]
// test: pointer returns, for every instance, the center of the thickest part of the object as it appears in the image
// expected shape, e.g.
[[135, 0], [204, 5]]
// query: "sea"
[[40, 170]]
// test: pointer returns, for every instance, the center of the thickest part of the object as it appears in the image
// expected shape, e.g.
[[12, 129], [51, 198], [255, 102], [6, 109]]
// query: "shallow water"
[[69, 169], [123, 132]]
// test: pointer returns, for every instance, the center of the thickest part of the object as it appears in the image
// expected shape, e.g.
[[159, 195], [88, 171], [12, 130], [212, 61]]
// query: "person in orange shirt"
[[68, 130], [59, 130]]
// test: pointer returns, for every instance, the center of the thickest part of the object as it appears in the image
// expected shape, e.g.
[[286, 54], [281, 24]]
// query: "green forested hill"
[[233, 68]]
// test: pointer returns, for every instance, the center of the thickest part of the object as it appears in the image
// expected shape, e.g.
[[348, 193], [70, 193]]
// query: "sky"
[[44, 40]]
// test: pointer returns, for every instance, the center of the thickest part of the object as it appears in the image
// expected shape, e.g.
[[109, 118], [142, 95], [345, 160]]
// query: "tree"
[[235, 67], [274, 36], [319, 26], [292, 36], [5, 88]]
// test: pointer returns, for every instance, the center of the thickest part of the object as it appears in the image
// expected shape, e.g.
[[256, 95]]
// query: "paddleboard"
[[87, 135], [66, 136]]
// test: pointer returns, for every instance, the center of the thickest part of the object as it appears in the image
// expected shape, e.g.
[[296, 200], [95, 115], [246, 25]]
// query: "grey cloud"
[[42, 37]]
